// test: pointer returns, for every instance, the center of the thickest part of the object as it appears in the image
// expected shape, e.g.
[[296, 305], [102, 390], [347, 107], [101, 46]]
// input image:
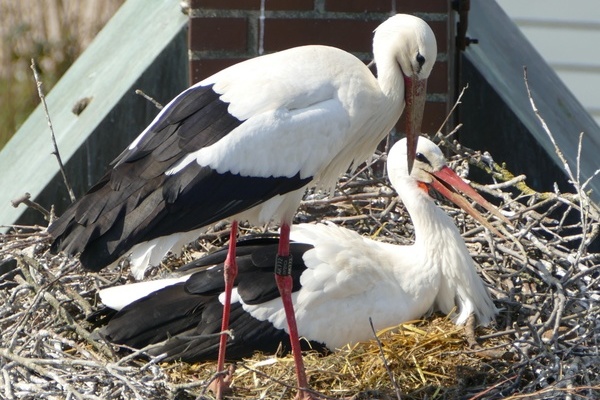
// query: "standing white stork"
[[244, 144], [341, 279]]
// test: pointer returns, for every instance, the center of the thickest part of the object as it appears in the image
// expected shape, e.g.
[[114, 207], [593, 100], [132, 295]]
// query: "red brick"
[[359, 5], [440, 30], [288, 5], [435, 114], [424, 6], [218, 34], [225, 4], [350, 35], [438, 80], [203, 68]]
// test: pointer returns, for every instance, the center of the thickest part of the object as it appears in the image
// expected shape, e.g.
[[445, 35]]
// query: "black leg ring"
[[283, 265]]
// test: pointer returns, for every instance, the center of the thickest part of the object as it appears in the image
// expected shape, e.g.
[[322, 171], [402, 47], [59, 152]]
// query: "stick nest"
[[543, 276]]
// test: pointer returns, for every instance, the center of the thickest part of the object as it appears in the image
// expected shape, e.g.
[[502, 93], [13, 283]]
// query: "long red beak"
[[415, 91], [448, 184]]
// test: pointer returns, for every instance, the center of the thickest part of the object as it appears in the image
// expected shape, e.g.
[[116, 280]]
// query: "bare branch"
[[456, 103], [26, 199], [149, 98], [55, 152]]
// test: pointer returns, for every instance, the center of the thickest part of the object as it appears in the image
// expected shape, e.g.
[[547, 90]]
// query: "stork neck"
[[390, 78], [432, 225]]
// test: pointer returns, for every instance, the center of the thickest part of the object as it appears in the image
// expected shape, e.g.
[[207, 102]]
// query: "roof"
[[500, 56], [106, 72]]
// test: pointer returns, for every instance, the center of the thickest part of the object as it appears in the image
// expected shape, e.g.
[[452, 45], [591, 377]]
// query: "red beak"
[[415, 91], [448, 184]]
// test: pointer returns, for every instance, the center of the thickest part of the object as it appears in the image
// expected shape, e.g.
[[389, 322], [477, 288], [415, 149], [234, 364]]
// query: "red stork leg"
[[283, 277], [230, 273]]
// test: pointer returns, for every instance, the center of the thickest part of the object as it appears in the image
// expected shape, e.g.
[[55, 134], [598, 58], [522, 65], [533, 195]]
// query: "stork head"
[[430, 170], [411, 43]]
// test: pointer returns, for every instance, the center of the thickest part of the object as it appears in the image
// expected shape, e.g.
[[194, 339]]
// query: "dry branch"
[[56, 153]]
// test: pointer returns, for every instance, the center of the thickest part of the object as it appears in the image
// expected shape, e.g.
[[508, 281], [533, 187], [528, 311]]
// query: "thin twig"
[[55, 152], [26, 199], [35, 366], [384, 360], [149, 98], [456, 103]]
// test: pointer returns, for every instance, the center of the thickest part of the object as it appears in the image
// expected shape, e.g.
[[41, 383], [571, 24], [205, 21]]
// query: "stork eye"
[[421, 158], [420, 59]]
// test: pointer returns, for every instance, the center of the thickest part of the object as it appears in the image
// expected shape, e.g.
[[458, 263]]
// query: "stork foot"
[[470, 333], [221, 386]]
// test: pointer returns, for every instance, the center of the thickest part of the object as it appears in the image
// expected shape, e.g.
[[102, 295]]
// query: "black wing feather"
[[189, 314], [135, 201], [193, 106]]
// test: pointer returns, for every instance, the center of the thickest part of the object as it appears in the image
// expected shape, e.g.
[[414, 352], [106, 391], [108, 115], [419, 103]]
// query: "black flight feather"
[[189, 314], [136, 201]]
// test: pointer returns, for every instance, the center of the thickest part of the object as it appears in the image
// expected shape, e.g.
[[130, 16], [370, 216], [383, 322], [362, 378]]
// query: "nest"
[[542, 274]]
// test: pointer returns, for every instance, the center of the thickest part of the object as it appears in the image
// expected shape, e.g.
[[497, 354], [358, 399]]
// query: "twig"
[[385, 363], [26, 199], [8, 392], [456, 103], [55, 152], [584, 201], [149, 98], [35, 366], [546, 129], [65, 315], [346, 198], [488, 390], [362, 170]]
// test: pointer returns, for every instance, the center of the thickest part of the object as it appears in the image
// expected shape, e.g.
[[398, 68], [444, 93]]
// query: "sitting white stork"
[[245, 144], [341, 280]]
